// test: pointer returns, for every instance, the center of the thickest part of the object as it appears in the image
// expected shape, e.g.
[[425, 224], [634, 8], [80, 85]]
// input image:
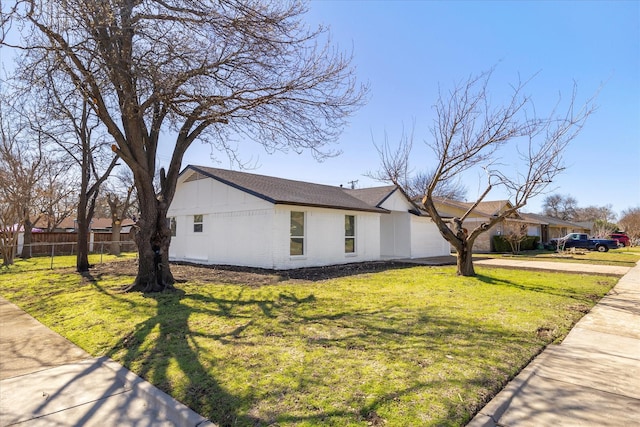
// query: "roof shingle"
[[285, 191]]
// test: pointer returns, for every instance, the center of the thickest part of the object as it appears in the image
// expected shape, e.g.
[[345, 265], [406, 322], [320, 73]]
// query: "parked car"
[[582, 241], [621, 237]]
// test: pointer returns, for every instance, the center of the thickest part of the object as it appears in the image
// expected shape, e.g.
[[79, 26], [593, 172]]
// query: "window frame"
[[173, 225], [350, 237], [198, 223], [302, 238]]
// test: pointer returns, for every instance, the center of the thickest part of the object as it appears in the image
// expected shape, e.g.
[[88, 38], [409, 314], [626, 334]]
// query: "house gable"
[[197, 193], [389, 197]]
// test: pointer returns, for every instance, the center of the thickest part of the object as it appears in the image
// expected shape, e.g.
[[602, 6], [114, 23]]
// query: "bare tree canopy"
[[630, 222], [470, 132], [595, 213], [207, 70], [21, 166], [566, 208], [559, 206], [450, 189], [31, 187]]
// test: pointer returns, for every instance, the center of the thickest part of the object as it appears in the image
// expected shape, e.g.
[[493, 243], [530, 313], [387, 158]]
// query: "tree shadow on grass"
[[168, 342], [165, 344], [540, 288]]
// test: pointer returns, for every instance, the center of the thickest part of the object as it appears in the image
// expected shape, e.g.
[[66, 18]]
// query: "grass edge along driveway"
[[405, 346]]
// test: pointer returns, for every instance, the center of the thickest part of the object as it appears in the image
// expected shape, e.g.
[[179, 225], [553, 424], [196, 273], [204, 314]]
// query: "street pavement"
[[591, 379]]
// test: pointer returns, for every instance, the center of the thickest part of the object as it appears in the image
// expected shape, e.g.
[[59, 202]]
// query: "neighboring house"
[[227, 217], [483, 213], [97, 224], [554, 228]]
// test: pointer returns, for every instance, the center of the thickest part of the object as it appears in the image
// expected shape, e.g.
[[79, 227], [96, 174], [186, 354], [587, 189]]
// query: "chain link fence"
[[66, 249], [65, 244]]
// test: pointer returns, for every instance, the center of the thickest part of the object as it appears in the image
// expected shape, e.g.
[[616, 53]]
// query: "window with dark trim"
[[349, 234], [296, 234], [173, 226], [198, 223]]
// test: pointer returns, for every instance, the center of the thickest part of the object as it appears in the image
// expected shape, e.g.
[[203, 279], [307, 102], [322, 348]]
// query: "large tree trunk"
[[8, 243], [82, 259], [152, 237], [28, 239], [116, 227], [8, 253], [464, 261]]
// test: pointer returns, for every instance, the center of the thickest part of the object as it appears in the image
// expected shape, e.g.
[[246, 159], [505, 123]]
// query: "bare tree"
[[69, 121], [469, 133], [515, 234], [450, 190], [602, 228], [208, 70], [120, 198], [561, 207], [56, 194], [23, 163], [10, 213], [118, 210], [595, 213], [630, 222]]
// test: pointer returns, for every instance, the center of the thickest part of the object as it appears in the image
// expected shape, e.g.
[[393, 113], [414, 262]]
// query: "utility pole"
[[353, 183]]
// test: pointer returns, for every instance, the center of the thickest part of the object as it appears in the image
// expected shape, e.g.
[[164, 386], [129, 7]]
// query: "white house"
[[406, 231], [235, 218]]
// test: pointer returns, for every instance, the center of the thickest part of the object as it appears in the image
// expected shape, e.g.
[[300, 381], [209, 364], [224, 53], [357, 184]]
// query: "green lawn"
[[407, 346]]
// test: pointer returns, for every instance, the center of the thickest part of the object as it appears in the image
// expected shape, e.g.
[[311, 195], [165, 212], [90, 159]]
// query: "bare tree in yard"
[[11, 217], [120, 200], [595, 213], [70, 122], [515, 234], [56, 194], [561, 207], [208, 70], [469, 133], [118, 210], [9, 223], [23, 163], [630, 223]]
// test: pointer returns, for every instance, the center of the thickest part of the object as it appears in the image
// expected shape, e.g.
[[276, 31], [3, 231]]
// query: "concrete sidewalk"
[[505, 262], [567, 267], [591, 379], [45, 380]]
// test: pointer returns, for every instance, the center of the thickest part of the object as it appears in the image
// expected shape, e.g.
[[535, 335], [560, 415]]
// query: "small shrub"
[[501, 244]]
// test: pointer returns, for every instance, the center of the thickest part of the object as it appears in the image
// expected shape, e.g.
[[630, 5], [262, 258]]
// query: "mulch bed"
[[184, 272]]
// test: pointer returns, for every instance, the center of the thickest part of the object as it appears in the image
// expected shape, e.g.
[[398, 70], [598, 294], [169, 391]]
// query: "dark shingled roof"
[[285, 191], [373, 196], [544, 219]]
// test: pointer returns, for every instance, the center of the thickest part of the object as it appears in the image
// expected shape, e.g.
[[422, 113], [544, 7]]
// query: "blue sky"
[[406, 49]]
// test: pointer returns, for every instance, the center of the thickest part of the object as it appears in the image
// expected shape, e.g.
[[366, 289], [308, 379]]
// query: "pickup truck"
[[582, 241]]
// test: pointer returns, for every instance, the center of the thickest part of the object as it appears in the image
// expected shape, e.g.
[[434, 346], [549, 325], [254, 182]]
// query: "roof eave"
[[342, 208]]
